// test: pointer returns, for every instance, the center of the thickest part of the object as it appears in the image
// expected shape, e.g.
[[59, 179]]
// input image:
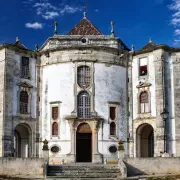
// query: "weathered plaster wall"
[[58, 82], [69, 41], [110, 85], [16, 77], [155, 64], [33, 167], [2, 82], [151, 166], [175, 84], [136, 79], [153, 118], [12, 94], [58, 85]]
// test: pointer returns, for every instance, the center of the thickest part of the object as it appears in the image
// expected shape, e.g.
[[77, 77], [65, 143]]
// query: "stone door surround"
[[94, 123]]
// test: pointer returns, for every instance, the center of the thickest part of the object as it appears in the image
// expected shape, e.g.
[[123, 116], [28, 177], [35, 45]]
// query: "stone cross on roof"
[[85, 10]]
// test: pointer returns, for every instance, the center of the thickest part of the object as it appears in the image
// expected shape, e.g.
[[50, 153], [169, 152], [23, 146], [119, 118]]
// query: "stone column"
[[159, 132], [97, 158], [73, 141]]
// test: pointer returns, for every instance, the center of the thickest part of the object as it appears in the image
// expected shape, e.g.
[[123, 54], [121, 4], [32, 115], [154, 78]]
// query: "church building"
[[84, 92]]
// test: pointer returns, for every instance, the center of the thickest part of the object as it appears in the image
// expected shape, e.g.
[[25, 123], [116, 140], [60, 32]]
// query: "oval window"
[[83, 40], [55, 149], [112, 149]]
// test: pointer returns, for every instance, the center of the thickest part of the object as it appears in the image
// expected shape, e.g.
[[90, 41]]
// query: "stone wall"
[[2, 107], [22, 166], [151, 166]]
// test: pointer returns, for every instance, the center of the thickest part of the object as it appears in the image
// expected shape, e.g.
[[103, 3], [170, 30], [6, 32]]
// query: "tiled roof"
[[19, 45], [84, 27], [150, 46]]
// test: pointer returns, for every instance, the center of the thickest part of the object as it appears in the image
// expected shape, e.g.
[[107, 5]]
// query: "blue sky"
[[135, 20]]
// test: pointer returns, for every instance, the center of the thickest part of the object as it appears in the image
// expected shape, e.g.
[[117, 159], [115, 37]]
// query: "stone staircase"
[[84, 171]]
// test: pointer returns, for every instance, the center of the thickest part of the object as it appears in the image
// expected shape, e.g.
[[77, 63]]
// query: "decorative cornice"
[[145, 84], [16, 48], [74, 118], [163, 47], [55, 102], [24, 84], [113, 102]]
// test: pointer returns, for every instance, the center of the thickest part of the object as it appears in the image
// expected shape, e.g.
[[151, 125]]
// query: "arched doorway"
[[22, 141], [145, 141], [84, 143]]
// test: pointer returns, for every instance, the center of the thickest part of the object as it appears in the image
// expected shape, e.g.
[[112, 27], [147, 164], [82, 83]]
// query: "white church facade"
[[84, 92]]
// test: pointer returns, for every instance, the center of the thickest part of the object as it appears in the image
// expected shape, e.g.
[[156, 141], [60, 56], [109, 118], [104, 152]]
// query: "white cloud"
[[69, 9], [35, 25], [175, 19], [28, 1], [47, 10], [50, 15], [175, 7], [45, 5], [177, 32], [96, 10], [176, 41], [177, 14]]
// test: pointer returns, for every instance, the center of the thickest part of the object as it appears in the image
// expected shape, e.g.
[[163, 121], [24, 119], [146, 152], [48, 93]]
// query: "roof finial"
[[112, 29], [17, 39], [85, 10], [55, 28], [84, 13], [36, 47], [150, 40], [132, 48]]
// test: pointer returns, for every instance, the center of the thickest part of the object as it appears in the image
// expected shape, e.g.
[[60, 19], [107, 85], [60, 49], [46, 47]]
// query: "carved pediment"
[[143, 84], [24, 84]]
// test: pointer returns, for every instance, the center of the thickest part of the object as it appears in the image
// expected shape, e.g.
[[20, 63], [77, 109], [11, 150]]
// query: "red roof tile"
[[84, 27]]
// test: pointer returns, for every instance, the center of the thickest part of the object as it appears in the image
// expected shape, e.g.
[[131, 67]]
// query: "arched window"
[[144, 102], [23, 102], [113, 129], [84, 105], [84, 76], [55, 129]]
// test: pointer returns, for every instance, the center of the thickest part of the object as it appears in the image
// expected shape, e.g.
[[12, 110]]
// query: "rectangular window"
[[112, 119], [55, 113], [143, 67], [25, 68], [112, 113]]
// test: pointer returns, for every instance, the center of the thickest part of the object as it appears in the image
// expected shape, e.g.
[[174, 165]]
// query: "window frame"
[[115, 120], [55, 130], [55, 104], [85, 75], [23, 106], [144, 103], [114, 130], [23, 69], [54, 115], [139, 67], [84, 110]]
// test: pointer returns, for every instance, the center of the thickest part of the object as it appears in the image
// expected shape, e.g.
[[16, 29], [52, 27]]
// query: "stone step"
[[83, 171], [56, 178], [91, 174], [82, 167]]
